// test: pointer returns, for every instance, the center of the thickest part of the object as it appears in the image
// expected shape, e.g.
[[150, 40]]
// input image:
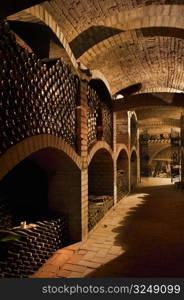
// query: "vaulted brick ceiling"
[[78, 15], [127, 41], [159, 117], [155, 111], [159, 112]]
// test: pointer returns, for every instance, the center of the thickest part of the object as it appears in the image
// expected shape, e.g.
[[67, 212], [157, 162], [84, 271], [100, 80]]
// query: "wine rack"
[[122, 184], [97, 106], [93, 110], [108, 123], [21, 258], [35, 98], [98, 206]]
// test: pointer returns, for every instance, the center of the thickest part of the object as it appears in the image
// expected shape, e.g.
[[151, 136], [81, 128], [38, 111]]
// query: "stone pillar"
[[82, 116], [84, 202], [138, 159], [82, 148], [129, 149], [182, 150], [115, 160]]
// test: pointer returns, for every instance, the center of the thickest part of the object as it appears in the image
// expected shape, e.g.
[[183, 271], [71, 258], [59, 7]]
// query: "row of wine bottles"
[[96, 107], [93, 109], [38, 98], [35, 98], [23, 257]]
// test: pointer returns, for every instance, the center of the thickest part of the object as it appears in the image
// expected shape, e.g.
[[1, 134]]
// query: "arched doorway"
[[122, 174], [45, 183], [100, 182], [166, 164], [133, 174], [45, 191]]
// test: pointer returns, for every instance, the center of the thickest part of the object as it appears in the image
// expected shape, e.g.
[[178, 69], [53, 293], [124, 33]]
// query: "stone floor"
[[142, 236]]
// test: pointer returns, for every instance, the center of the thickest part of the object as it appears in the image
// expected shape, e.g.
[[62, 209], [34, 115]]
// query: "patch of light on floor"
[[153, 181]]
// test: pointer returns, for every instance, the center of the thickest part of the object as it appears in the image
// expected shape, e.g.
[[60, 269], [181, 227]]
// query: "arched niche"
[[46, 183], [100, 186]]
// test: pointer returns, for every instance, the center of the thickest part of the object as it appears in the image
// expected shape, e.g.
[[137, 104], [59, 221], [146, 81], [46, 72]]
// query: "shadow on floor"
[[152, 235]]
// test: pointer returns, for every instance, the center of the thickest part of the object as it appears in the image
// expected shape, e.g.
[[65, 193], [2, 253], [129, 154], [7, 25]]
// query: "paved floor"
[[142, 236]]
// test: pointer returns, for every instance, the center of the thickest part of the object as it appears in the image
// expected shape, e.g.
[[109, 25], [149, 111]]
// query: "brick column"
[[129, 149], [182, 150], [114, 146], [138, 159], [114, 133], [84, 202], [82, 149], [81, 114]]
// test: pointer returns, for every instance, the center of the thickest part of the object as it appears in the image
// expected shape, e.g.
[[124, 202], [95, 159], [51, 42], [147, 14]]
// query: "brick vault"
[[91, 104]]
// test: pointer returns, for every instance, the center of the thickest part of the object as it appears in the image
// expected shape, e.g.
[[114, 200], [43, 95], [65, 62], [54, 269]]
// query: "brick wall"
[[122, 174], [133, 131], [182, 150], [64, 187], [64, 197], [101, 174], [133, 170], [122, 127], [82, 149]]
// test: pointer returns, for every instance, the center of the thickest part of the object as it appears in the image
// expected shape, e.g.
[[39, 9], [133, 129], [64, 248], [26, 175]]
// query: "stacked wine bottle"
[[97, 210], [95, 104], [93, 108], [21, 258], [35, 98], [108, 123]]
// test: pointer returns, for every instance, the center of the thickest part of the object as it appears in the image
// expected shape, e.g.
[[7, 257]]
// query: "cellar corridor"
[[92, 138], [141, 236]]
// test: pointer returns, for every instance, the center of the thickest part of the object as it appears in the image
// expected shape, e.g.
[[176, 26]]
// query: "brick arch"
[[150, 15], [22, 43], [130, 36], [163, 147], [101, 88], [133, 67], [133, 129], [97, 147], [159, 123], [102, 14], [122, 171], [121, 148], [96, 74], [101, 172], [133, 114], [133, 149], [39, 12], [30, 145]]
